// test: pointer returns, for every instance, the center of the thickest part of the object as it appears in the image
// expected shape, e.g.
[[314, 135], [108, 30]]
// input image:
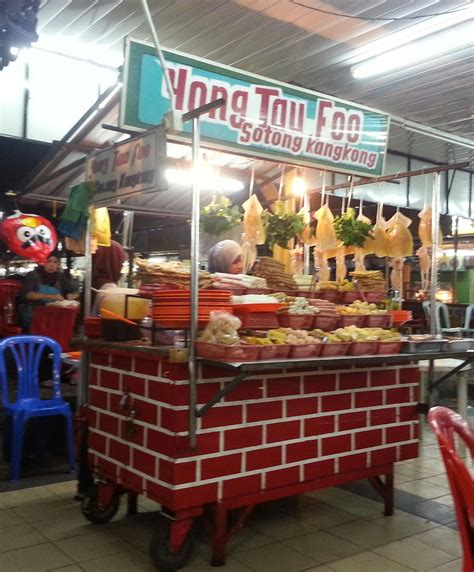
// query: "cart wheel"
[[91, 510], [162, 557]]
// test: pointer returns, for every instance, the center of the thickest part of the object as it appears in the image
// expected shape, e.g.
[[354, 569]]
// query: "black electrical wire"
[[433, 14]]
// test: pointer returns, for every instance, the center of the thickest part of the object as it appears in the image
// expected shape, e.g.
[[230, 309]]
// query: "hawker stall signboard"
[[136, 165], [261, 117]]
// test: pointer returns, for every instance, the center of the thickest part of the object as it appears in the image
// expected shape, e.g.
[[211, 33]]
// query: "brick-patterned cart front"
[[277, 434]]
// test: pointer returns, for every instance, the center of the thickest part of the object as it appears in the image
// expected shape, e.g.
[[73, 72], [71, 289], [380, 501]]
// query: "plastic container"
[[275, 351], [325, 323], [328, 295], [422, 347], [257, 320], [336, 349], [363, 348], [113, 299], [296, 322], [351, 320], [376, 321], [222, 352], [389, 347], [399, 317], [305, 351], [375, 297]]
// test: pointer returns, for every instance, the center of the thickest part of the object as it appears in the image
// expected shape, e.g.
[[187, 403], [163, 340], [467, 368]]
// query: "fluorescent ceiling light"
[[209, 181], [82, 51], [426, 48]]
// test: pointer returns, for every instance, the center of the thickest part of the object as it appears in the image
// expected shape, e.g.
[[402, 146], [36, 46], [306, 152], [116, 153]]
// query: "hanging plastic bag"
[[254, 229], [325, 234], [400, 241]]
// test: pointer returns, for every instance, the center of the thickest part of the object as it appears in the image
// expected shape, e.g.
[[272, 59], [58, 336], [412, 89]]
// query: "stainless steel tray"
[[423, 347], [461, 345]]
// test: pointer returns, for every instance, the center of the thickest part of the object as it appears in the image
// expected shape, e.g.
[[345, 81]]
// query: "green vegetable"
[[220, 216], [281, 226], [350, 231]]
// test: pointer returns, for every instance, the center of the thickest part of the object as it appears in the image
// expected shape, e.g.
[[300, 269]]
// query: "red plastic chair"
[[445, 424]]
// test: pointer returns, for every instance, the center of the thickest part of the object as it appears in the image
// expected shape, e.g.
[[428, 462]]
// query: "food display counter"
[[265, 430]]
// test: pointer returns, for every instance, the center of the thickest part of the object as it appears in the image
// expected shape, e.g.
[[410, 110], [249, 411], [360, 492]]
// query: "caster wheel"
[[159, 551], [95, 514]]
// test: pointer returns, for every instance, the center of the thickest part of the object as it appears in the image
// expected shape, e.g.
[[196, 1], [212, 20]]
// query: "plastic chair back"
[[446, 424], [468, 317], [442, 315], [26, 352]]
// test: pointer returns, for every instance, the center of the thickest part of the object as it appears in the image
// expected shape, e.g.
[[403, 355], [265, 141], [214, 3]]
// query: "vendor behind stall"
[[107, 265], [226, 256], [46, 284]]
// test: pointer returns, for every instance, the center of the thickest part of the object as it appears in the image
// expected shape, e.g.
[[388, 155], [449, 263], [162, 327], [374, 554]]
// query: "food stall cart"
[[212, 436]]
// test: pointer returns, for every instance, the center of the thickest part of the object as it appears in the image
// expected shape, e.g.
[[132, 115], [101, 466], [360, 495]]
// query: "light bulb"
[[298, 186]]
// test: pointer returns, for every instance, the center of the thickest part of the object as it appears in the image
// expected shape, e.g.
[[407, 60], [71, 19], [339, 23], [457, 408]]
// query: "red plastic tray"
[[374, 297], [304, 293], [387, 348], [258, 290], [305, 351], [326, 323], [329, 295], [349, 297], [258, 320], [295, 322], [257, 308], [363, 348], [377, 321], [351, 320], [222, 352], [275, 351], [337, 349]]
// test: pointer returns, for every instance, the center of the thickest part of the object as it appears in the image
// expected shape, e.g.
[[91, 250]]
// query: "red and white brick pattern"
[[277, 428]]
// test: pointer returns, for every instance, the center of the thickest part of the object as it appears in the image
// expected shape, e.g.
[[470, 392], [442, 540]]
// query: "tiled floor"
[[340, 529]]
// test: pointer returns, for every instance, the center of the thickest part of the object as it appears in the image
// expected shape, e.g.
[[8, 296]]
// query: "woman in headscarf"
[[107, 265], [226, 256]]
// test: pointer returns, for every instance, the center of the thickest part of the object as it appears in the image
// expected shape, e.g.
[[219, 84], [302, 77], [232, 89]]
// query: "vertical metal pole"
[[128, 220], [435, 204], [455, 261], [82, 387], [306, 247], [195, 216]]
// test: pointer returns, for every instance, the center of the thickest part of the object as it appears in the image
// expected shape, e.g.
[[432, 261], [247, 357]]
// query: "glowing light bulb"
[[298, 186]]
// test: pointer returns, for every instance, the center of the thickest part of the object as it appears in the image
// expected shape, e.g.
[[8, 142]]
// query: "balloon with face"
[[29, 235]]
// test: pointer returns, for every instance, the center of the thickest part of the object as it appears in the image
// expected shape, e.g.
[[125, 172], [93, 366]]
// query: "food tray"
[[258, 291], [337, 349], [374, 297], [259, 320], [287, 292], [275, 351], [328, 295], [304, 293], [349, 297], [296, 322], [377, 321], [351, 320], [325, 323], [423, 347], [305, 351], [363, 348], [389, 347], [461, 345], [271, 307], [223, 352]]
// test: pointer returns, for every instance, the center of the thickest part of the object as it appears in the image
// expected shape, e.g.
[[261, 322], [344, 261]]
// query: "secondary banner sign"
[[262, 117]]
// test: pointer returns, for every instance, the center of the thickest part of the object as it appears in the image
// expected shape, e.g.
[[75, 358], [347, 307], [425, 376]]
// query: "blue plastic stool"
[[27, 352]]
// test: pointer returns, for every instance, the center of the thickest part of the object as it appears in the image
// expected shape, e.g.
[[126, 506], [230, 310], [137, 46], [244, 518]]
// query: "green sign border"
[[128, 117]]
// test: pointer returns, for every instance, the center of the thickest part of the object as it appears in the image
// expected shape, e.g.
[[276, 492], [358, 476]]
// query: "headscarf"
[[107, 264], [222, 255]]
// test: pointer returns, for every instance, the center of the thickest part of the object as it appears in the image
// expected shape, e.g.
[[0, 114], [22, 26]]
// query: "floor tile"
[[441, 537], [446, 500], [132, 561], [331, 493], [137, 529], [90, 546], [367, 562], [434, 511], [25, 496], [231, 565], [323, 515], [68, 488], [19, 536], [414, 554], [9, 517], [34, 559], [45, 510], [285, 527], [323, 547], [453, 566], [62, 525], [274, 558], [247, 539], [357, 505], [320, 568], [375, 531], [72, 568], [424, 489]]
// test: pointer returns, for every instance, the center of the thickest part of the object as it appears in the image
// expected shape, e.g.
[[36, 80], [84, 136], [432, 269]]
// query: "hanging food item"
[[325, 233], [400, 241], [308, 235], [423, 254], [297, 260], [379, 233], [254, 231], [321, 262], [341, 268], [396, 274], [29, 235], [368, 246]]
